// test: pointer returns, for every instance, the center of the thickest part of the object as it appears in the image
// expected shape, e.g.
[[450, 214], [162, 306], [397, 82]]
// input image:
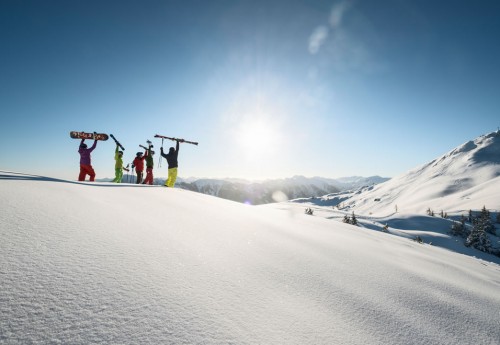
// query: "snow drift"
[[84, 263]]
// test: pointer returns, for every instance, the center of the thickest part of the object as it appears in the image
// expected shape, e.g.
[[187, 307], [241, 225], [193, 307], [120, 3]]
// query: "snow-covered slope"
[[84, 263], [467, 177]]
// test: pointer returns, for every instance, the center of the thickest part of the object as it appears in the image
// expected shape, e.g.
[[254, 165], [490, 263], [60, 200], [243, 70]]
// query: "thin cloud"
[[338, 12], [345, 45], [317, 39], [321, 33]]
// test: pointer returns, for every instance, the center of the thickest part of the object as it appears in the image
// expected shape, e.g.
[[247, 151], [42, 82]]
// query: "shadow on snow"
[[8, 175]]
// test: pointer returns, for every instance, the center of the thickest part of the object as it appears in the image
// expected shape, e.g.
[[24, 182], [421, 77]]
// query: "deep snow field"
[[101, 263]]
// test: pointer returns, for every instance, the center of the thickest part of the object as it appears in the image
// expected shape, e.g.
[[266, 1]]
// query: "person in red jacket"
[[138, 163]]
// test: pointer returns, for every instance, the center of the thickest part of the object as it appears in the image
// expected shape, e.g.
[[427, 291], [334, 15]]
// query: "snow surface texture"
[[84, 263]]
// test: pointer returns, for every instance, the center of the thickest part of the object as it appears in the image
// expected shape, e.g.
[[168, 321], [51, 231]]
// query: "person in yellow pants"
[[172, 177], [171, 158]]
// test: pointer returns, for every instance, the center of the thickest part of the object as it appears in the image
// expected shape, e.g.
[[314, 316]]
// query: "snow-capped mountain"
[[465, 178], [262, 192], [356, 182]]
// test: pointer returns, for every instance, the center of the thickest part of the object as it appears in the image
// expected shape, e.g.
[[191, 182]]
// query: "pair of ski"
[[176, 139], [150, 144]]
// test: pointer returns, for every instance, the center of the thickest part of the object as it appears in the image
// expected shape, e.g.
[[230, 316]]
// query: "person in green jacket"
[[149, 165], [118, 165]]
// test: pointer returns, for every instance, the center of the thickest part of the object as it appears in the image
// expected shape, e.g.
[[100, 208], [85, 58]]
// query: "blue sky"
[[268, 88]]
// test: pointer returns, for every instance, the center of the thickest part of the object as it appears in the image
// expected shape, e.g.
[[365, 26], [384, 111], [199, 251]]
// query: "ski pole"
[[159, 159], [130, 173]]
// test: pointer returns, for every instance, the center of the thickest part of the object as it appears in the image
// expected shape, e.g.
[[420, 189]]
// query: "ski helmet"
[[138, 154], [83, 146]]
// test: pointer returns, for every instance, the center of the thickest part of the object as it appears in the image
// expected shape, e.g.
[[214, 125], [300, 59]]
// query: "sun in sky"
[[258, 125], [259, 141], [256, 136]]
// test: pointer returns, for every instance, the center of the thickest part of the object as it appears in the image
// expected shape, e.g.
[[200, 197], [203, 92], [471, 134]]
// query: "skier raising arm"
[[138, 163], [171, 158], [85, 161], [149, 165], [118, 165]]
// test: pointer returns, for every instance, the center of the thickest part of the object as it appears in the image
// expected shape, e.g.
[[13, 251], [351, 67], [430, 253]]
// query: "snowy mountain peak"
[[482, 151], [466, 177]]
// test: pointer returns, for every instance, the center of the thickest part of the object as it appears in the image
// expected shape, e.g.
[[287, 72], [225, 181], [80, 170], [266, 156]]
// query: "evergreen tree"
[[484, 212], [478, 238], [458, 228], [463, 220], [498, 217], [485, 219], [346, 219], [354, 221]]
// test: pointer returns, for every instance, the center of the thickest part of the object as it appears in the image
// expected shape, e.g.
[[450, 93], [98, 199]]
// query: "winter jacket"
[[149, 159], [171, 156], [85, 153], [139, 163], [118, 159]]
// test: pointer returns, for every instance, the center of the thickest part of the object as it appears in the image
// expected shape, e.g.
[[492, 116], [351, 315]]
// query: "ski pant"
[[149, 176], [172, 176], [118, 175], [86, 170], [139, 177]]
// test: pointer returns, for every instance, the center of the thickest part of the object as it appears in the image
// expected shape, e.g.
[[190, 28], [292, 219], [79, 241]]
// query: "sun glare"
[[257, 138]]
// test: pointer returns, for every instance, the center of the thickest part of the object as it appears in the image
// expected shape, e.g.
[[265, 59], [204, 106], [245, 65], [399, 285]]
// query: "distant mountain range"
[[268, 191]]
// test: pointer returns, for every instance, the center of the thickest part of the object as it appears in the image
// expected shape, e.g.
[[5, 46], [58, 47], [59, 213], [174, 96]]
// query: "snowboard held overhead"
[[85, 135]]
